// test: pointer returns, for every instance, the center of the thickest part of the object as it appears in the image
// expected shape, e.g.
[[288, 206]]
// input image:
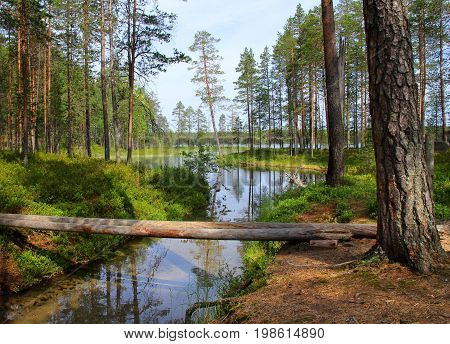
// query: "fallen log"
[[194, 230]]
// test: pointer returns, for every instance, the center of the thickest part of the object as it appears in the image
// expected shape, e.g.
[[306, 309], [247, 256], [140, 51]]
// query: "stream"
[[155, 280]]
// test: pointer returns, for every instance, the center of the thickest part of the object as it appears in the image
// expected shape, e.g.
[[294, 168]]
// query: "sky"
[[238, 24]]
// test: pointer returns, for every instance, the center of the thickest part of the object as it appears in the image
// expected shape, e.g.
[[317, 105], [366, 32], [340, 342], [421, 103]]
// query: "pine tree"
[[246, 89], [207, 73]]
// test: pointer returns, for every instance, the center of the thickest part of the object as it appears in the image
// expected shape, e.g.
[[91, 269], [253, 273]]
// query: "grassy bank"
[[276, 159], [59, 186]]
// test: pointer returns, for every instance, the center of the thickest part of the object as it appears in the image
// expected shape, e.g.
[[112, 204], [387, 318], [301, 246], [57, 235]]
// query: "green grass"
[[59, 186], [269, 158]]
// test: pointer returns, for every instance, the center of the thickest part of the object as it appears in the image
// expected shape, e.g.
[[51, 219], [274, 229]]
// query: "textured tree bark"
[[103, 79], [334, 106], [441, 73], [87, 128], [406, 228], [422, 68]]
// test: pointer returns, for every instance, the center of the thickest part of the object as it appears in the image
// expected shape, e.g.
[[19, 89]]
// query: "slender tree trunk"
[[441, 73], [249, 118], [112, 78], [48, 85], [355, 116], [10, 105], [312, 104], [25, 78], [18, 136], [87, 129], [103, 78], [69, 93], [131, 66], [32, 73], [334, 104], [44, 94], [363, 110], [210, 102], [406, 227]]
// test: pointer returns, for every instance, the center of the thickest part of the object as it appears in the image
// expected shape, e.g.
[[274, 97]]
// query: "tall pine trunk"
[[48, 85], [10, 101], [69, 93], [132, 19], [210, 103], [87, 129], [24, 77], [406, 227], [334, 104], [103, 79], [442, 73], [112, 79], [312, 104]]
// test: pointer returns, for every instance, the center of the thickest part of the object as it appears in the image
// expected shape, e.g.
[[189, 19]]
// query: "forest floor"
[[295, 283], [304, 287]]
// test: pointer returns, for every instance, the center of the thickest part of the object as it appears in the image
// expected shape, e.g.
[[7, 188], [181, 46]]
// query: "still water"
[[155, 281]]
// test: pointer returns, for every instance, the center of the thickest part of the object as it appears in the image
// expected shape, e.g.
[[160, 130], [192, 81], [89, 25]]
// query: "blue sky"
[[238, 23]]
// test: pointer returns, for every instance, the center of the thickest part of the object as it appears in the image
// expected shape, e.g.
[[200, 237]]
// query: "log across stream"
[[194, 230]]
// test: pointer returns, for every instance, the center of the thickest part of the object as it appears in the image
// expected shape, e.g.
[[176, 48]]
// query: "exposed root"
[[206, 304]]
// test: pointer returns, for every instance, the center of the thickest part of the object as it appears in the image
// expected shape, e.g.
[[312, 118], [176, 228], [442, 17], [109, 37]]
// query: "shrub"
[[285, 210], [34, 267], [343, 213]]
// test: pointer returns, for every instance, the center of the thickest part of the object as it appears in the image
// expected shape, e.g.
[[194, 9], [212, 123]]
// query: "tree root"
[[206, 304]]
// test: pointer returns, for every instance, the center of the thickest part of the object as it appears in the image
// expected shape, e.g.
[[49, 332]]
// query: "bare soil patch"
[[304, 287]]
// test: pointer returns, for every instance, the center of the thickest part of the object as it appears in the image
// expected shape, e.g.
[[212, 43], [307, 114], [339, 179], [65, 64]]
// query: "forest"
[[339, 121], [71, 65]]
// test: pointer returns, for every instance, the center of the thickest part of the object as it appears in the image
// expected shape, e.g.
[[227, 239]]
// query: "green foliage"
[[200, 162], [441, 186], [34, 266], [285, 210], [343, 212]]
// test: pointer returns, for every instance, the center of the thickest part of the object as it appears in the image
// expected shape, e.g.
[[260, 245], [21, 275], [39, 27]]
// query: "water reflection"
[[155, 281], [237, 193]]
